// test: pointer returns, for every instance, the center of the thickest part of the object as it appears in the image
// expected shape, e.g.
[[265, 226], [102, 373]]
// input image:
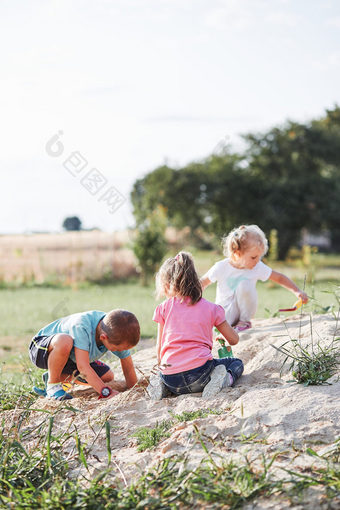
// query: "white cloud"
[[240, 15], [333, 22], [230, 14], [328, 62], [282, 19]]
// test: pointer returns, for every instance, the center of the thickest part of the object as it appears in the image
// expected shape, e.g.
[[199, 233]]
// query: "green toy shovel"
[[225, 350]]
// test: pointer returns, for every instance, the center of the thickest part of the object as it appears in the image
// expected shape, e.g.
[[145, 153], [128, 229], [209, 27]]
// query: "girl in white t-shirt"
[[236, 275]]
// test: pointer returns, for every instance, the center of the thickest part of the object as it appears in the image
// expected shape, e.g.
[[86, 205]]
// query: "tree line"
[[287, 178]]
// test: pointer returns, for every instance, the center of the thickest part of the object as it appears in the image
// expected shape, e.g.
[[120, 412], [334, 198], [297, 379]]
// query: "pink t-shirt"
[[187, 341]]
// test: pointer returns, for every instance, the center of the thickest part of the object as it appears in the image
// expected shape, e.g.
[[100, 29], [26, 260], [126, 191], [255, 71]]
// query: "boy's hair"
[[121, 326], [242, 238], [178, 276]]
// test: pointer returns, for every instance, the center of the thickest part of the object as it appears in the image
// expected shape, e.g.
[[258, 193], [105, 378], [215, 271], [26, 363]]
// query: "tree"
[[287, 179], [299, 168], [192, 195], [72, 223], [150, 245]]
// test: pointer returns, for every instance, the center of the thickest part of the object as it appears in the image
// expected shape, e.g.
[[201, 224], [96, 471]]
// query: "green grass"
[[149, 437], [199, 413], [24, 311], [36, 480], [312, 363], [252, 438], [38, 477]]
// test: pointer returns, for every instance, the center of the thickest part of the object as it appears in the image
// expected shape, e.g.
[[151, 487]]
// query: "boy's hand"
[[107, 392], [129, 371], [303, 296], [84, 367], [118, 386]]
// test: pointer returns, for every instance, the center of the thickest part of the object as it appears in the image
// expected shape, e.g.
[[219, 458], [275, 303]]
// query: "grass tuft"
[[200, 413], [313, 363], [149, 437]]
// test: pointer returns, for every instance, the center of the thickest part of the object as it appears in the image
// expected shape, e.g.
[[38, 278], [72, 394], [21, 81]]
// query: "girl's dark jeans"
[[193, 381]]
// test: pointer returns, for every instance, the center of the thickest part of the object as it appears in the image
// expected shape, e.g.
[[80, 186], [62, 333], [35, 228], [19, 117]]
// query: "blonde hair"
[[242, 238], [178, 277]]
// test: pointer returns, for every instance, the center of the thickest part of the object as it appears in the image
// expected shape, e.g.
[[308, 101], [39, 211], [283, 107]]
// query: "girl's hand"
[[303, 296], [221, 337], [228, 333]]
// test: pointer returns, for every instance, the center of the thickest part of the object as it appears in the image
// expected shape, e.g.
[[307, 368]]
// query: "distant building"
[[321, 240]]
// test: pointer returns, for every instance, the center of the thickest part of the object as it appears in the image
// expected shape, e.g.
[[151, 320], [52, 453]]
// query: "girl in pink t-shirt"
[[184, 341]]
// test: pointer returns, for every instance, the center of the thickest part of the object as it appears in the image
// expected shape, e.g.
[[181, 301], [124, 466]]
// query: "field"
[[23, 311], [267, 443]]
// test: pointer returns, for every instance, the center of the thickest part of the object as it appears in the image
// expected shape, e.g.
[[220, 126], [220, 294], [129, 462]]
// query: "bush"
[[150, 245]]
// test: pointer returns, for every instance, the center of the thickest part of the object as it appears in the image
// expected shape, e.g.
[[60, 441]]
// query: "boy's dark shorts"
[[38, 352]]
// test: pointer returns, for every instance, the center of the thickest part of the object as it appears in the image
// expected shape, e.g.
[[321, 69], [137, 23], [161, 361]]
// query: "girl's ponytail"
[[178, 277]]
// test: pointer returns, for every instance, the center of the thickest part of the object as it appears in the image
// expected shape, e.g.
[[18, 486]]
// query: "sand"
[[279, 415]]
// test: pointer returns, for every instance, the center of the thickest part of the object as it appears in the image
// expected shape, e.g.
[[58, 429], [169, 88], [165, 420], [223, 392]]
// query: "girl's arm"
[[205, 282], [159, 342], [286, 282], [228, 332]]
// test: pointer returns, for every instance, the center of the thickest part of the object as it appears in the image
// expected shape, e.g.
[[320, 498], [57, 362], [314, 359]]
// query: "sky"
[[96, 94]]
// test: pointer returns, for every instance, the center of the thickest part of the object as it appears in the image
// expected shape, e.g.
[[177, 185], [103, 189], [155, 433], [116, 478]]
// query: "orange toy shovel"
[[297, 305]]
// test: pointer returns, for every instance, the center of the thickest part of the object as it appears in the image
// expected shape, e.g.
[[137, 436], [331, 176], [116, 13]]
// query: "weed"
[[38, 479], [148, 437], [23, 470], [14, 396], [333, 454], [200, 413], [252, 438], [311, 364], [174, 485], [327, 477]]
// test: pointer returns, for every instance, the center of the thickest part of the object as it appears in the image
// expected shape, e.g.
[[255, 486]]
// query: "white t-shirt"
[[228, 277]]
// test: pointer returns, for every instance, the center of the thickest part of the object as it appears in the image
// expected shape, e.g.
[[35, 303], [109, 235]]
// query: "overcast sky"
[[131, 84]]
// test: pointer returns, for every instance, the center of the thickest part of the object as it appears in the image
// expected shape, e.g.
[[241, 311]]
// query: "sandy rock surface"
[[263, 414]]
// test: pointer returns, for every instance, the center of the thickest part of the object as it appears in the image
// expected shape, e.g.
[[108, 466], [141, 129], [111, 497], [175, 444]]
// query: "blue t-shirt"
[[82, 328]]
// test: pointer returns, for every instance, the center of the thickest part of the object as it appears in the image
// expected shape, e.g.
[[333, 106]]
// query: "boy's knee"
[[108, 376], [62, 342]]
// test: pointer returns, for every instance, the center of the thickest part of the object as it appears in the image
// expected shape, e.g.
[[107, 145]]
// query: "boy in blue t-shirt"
[[72, 345]]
